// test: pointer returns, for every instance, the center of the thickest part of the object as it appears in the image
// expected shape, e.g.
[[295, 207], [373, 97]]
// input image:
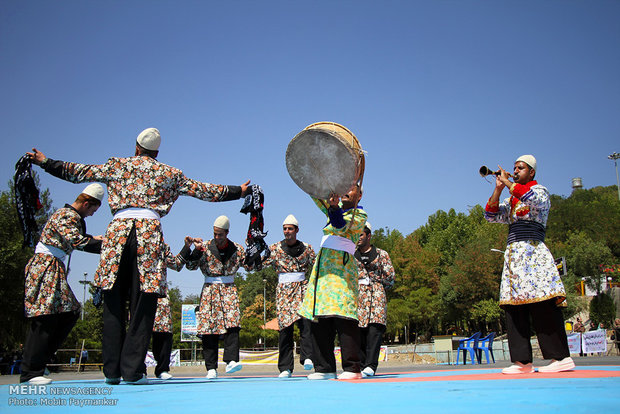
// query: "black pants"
[[124, 348], [162, 348], [323, 336], [231, 347], [548, 324], [286, 359], [45, 335], [370, 341]]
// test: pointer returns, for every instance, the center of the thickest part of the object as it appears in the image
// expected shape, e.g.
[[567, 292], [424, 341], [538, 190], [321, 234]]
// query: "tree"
[[253, 284], [13, 260], [415, 266], [487, 312], [603, 309], [476, 273], [595, 212], [89, 330], [252, 322], [176, 304], [386, 239], [584, 257]]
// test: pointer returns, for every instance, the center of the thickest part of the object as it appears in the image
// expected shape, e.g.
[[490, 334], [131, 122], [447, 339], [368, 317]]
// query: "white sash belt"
[[291, 277], [136, 212], [338, 243], [50, 250], [219, 279], [364, 281]]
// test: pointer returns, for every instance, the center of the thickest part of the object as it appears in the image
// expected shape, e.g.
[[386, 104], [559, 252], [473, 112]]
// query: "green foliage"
[[488, 314], [251, 331], [386, 239], [89, 330], [595, 212], [603, 309], [584, 256], [254, 284], [176, 303]]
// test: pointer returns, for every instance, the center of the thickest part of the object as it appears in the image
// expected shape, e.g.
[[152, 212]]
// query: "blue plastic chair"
[[468, 344], [485, 344]]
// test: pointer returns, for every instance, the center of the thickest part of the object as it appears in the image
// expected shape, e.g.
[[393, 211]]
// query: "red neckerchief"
[[520, 189], [517, 192]]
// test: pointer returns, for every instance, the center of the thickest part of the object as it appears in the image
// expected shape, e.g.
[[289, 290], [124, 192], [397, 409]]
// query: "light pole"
[[615, 157], [84, 282]]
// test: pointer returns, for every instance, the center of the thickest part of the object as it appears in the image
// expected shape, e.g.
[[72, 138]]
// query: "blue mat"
[[464, 391]]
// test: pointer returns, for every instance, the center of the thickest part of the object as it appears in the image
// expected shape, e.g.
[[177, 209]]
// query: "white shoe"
[[233, 366], [142, 381], [165, 376], [519, 368], [308, 364], [40, 381], [285, 374], [567, 364], [368, 372], [211, 374], [112, 381], [322, 376], [346, 375]]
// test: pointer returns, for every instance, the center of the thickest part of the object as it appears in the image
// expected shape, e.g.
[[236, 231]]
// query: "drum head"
[[320, 163]]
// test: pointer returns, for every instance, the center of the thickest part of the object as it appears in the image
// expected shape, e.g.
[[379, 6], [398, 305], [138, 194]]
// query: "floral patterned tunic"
[[529, 273], [333, 284], [47, 290], [219, 302], [372, 303], [163, 315], [138, 182], [289, 295]]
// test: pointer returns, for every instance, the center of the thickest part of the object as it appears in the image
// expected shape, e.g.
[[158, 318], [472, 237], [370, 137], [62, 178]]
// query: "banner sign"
[[189, 325], [175, 359], [271, 357], [574, 343], [382, 354], [594, 341]]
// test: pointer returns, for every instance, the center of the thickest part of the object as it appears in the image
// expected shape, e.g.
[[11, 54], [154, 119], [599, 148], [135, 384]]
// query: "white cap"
[[149, 139], [368, 226], [94, 190], [290, 219], [529, 160], [222, 222]]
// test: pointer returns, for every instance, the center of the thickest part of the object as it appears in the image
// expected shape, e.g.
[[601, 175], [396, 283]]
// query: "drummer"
[[332, 293]]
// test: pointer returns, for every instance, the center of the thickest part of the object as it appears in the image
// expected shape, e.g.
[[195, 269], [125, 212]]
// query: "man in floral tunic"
[[331, 296], [291, 259], [531, 284], [141, 191], [162, 327], [218, 259], [49, 302], [376, 274]]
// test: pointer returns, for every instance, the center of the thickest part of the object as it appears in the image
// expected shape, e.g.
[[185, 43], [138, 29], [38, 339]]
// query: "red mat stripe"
[[499, 376]]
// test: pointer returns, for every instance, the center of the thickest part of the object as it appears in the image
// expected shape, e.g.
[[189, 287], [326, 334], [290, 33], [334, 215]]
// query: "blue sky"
[[432, 89]]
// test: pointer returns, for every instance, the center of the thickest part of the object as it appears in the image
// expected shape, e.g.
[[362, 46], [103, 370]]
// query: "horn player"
[[531, 284]]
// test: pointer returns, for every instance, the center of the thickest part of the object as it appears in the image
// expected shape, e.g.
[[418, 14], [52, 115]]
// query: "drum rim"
[[359, 145]]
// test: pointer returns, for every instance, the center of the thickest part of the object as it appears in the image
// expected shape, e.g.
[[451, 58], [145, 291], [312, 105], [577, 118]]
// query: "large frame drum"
[[325, 158]]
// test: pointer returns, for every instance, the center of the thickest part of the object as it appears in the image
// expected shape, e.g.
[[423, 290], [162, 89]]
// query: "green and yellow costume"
[[333, 285]]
